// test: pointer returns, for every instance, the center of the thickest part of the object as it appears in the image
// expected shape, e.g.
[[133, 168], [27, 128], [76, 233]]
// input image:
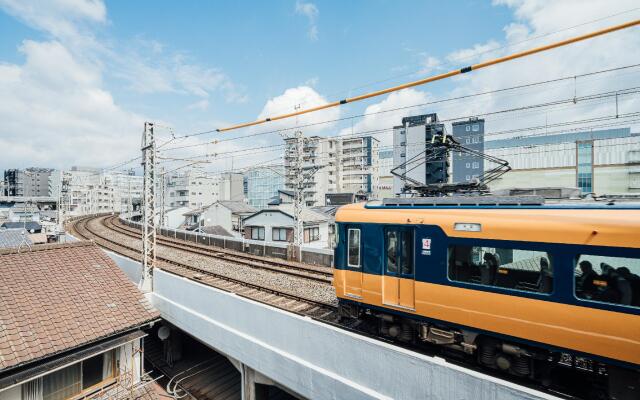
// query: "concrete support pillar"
[[255, 386]]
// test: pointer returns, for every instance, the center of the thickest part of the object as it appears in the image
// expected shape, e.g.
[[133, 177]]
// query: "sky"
[[78, 78]]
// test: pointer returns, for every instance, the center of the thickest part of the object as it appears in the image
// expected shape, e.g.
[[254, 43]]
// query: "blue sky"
[[82, 75]]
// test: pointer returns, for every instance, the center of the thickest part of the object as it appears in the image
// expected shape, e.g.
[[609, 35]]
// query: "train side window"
[[608, 279], [507, 268], [391, 244], [406, 252], [399, 251], [353, 256]]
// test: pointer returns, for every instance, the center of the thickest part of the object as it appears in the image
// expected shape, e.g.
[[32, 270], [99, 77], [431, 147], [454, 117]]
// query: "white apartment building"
[[91, 190], [195, 189], [345, 165]]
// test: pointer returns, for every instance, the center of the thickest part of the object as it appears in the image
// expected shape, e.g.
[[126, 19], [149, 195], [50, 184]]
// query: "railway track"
[[320, 274], [318, 310], [264, 294]]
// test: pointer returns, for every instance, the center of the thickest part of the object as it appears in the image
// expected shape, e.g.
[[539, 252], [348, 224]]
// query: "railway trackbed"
[[318, 273], [267, 294]]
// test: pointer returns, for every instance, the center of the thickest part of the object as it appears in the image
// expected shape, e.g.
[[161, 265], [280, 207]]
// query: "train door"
[[353, 270], [398, 280]]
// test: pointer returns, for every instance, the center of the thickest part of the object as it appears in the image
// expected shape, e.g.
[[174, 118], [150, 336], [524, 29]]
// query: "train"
[[516, 286]]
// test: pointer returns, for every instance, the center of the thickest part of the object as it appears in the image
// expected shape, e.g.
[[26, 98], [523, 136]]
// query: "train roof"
[[616, 225]]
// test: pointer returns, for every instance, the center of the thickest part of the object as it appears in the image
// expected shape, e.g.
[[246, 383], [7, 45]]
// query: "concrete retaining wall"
[[313, 359]]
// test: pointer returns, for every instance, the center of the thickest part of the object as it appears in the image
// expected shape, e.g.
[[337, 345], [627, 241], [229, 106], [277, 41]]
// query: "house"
[[174, 217], [283, 197], [275, 224], [72, 325], [227, 215], [30, 226]]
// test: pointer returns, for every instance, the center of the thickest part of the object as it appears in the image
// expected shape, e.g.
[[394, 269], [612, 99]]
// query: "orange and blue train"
[[532, 290]]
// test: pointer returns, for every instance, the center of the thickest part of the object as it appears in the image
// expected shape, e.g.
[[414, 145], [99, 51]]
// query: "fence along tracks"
[[318, 273], [262, 293]]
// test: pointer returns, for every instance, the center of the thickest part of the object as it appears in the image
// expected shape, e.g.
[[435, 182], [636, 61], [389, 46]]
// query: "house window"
[[279, 234], [468, 165], [257, 232], [467, 140], [468, 128], [507, 268], [77, 378], [476, 127], [476, 165], [312, 234]]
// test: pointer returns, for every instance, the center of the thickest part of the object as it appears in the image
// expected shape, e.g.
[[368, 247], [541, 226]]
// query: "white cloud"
[[383, 120], [56, 107], [304, 97], [536, 19], [56, 113], [309, 10]]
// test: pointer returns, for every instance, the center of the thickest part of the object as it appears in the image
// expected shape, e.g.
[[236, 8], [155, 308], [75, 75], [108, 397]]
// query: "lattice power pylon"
[[148, 208]]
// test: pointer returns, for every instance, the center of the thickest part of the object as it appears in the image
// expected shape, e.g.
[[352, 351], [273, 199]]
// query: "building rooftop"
[[13, 238], [56, 298], [238, 206], [29, 225], [569, 137]]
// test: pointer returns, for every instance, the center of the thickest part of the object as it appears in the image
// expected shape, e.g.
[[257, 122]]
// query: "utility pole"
[[163, 189], [148, 208], [298, 198]]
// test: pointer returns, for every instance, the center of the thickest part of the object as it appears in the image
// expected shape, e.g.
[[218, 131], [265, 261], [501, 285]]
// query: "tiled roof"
[[56, 298], [12, 238]]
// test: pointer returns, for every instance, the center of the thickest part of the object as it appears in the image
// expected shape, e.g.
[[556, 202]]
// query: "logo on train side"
[[426, 246]]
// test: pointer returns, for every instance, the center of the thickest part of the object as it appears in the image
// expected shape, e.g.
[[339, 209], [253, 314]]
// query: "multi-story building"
[[262, 185], [409, 142], [470, 134], [342, 164], [600, 162], [196, 189], [92, 190], [385, 180], [30, 182]]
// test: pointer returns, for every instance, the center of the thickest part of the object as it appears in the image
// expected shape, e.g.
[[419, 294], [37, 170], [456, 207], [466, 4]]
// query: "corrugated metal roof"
[[238, 206]]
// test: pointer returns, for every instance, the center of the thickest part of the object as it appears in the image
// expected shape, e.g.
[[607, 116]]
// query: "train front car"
[[541, 292]]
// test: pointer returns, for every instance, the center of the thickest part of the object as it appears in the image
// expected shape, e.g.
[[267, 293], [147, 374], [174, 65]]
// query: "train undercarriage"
[[559, 372]]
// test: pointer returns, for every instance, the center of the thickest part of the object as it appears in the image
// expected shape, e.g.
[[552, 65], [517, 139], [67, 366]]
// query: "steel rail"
[[224, 254], [305, 306]]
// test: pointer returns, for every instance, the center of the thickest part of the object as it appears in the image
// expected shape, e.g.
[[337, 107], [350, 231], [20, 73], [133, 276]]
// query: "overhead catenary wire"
[[407, 107], [433, 78], [622, 119], [571, 101]]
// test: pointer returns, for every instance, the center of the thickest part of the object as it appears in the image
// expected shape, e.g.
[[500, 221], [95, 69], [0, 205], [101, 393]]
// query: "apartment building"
[[196, 189], [29, 182], [91, 190], [341, 164]]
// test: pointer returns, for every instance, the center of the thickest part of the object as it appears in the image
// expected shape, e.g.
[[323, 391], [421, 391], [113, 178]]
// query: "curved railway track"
[[320, 274], [264, 294]]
